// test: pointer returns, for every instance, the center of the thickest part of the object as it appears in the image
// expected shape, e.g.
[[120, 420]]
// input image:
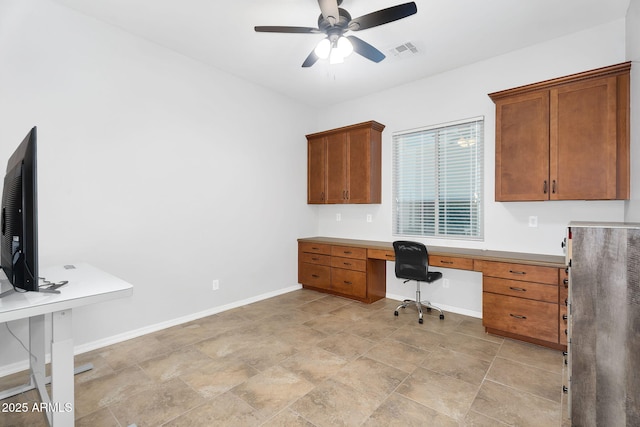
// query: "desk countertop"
[[476, 254]]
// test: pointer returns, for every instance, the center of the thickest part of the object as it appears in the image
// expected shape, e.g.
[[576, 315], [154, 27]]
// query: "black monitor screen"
[[19, 245]]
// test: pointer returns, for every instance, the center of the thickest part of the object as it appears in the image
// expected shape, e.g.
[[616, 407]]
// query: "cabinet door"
[[363, 167], [336, 191], [316, 165], [522, 147], [583, 140]]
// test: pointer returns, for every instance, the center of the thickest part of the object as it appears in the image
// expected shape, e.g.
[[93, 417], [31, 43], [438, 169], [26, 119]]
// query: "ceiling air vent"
[[404, 50]]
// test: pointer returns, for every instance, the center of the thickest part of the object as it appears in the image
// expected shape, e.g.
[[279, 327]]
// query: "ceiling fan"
[[334, 22]]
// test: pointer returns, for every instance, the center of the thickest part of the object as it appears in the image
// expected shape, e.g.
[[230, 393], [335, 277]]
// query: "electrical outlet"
[[533, 221], [445, 283], [216, 285], [338, 217], [369, 218]]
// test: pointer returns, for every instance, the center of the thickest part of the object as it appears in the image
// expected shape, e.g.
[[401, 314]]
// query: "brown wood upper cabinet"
[[344, 165], [564, 139]]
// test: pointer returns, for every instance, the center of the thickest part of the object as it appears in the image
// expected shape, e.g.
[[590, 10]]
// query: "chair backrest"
[[412, 260]]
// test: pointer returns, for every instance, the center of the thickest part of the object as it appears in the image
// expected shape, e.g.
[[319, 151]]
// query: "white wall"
[[152, 167], [459, 94], [632, 213]]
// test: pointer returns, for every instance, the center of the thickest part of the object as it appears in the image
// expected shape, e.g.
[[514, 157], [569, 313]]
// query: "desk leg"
[[38, 378], [62, 386]]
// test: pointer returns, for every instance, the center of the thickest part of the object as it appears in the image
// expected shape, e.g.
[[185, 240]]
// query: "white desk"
[[87, 285]]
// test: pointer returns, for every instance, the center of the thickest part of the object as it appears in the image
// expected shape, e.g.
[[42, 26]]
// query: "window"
[[438, 181]]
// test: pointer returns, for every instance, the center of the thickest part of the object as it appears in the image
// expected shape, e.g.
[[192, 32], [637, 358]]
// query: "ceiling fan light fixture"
[[344, 46], [335, 57], [323, 48]]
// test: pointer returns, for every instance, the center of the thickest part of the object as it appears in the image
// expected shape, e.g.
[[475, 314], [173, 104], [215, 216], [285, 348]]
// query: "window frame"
[[434, 141]]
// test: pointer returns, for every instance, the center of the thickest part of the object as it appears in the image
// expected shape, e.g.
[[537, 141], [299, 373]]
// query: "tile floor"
[[309, 359]]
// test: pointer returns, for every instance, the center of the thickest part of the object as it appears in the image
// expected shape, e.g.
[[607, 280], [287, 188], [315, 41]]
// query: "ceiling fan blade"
[[329, 10], [365, 49], [383, 16], [280, 29], [311, 59]]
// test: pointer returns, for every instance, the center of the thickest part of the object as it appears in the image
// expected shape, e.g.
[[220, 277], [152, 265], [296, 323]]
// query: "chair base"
[[419, 306]]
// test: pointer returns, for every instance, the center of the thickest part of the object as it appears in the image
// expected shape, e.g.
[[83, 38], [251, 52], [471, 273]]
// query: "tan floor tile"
[[315, 364], [397, 410], [323, 360], [332, 403], [474, 419], [368, 375], [527, 378], [534, 355], [218, 377], [398, 355], [475, 347], [418, 337], [102, 418], [133, 351], [458, 365], [110, 389], [516, 407], [174, 364], [346, 345], [272, 390], [225, 410], [157, 406], [442, 393], [287, 418]]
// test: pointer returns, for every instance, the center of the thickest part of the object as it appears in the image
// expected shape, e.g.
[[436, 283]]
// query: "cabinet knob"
[[564, 317], [565, 389]]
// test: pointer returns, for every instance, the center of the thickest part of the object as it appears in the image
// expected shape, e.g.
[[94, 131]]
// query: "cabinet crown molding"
[[611, 70], [370, 124]]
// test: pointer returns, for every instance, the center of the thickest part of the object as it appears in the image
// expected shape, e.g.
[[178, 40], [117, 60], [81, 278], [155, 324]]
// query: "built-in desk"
[[523, 294]]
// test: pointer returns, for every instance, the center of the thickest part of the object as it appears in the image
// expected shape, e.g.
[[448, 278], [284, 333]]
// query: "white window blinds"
[[438, 180]]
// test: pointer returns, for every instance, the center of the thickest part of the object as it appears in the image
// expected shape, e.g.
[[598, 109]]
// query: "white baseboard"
[[94, 345]]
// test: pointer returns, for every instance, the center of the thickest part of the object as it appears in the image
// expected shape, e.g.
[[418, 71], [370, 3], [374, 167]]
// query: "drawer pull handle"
[[315, 259], [445, 262], [517, 272], [566, 283], [389, 255], [564, 317], [346, 263], [347, 252], [315, 249], [348, 283], [517, 316], [315, 276], [513, 288]]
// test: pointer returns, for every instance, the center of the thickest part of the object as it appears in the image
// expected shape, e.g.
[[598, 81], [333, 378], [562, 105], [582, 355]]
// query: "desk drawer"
[[315, 258], [349, 282], [349, 252], [315, 275], [316, 248], [525, 272], [516, 288], [451, 262], [520, 316], [386, 254], [349, 263]]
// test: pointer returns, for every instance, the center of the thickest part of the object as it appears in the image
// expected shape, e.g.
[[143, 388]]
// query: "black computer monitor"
[[19, 240]]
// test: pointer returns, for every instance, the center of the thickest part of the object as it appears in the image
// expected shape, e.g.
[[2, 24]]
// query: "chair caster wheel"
[[420, 321], [395, 313], [441, 316]]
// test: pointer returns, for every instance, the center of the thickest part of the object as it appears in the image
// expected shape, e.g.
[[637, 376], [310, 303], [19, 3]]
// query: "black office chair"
[[412, 263]]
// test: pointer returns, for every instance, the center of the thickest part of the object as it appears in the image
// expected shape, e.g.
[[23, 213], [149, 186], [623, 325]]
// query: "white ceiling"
[[447, 33]]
